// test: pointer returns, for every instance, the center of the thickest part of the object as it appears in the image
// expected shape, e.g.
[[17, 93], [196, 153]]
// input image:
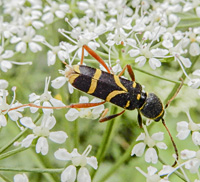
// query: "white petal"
[[140, 137], [49, 121], [60, 14], [83, 175], [47, 111], [14, 39], [166, 170], [159, 52], [151, 170], [161, 145], [58, 136], [37, 24], [182, 135], [51, 58], [42, 146], [34, 109], [83, 99], [196, 72], [3, 84], [158, 136], [5, 65], [48, 18], [187, 154], [21, 47], [27, 122], [26, 142], [20, 178], [141, 60], [69, 174], [186, 61], [3, 121], [71, 88], [154, 63], [34, 47], [14, 115], [7, 54], [58, 82], [33, 97], [134, 52], [198, 11], [72, 114], [182, 126], [56, 102], [151, 156], [92, 161], [138, 149], [62, 154], [196, 138], [194, 49], [98, 110]]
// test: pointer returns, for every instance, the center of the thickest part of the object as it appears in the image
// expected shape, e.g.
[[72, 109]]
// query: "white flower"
[[3, 84], [151, 176], [5, 108], [144, 53], [54, 9], [82, 38], [89, 113], [151, 142], [21, 178], [193, 160], [78, 160], [45, 99], [26, 36], [195, 82], [184, 129], [4, 63], [42, 132]]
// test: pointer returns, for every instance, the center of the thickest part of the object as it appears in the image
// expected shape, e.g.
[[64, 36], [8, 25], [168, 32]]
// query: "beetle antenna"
[[175, 148], [177, 91]]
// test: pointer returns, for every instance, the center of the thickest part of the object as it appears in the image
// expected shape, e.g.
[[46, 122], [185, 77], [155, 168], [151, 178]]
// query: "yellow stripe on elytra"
[[113, 94], [76, 68], [127, 104], [134, 84], [117, 81], [93, 84], [73, 77]]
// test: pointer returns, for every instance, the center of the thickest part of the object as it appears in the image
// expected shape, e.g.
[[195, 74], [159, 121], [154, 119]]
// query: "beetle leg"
[[130, 71], [85, 105], [94, 55], [111, 116], [139, 119], [177, 91]]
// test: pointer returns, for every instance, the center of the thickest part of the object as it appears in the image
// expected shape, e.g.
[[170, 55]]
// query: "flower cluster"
[[43, 40]]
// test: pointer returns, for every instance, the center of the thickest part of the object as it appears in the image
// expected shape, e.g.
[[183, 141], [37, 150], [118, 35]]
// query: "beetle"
[[117, 90]]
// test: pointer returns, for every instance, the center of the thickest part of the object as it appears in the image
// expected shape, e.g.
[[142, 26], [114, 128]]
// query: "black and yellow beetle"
[[115, 89], [109, 87]]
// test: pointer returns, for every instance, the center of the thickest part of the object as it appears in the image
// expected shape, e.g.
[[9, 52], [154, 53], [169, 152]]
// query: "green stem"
[[4, 178], [76, 134], [126, 156], [105, 142], [35, 170], [17, 137], [12, 152]]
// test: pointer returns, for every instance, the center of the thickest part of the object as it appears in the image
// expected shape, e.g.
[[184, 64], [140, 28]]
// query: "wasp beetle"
[[122, 92]]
